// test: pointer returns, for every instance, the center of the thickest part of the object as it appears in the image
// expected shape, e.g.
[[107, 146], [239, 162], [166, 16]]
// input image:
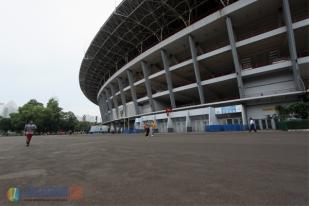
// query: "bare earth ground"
[[266, 168]]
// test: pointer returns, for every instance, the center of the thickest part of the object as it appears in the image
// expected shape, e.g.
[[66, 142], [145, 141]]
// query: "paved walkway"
[[267, 168]]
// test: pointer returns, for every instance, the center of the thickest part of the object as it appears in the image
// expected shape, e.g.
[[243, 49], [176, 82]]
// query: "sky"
[[42, 44]]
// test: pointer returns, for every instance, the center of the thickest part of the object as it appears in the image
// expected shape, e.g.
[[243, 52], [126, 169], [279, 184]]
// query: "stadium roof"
[[134, 27]]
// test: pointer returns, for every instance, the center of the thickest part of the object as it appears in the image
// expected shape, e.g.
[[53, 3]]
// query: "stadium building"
[[214, 62]]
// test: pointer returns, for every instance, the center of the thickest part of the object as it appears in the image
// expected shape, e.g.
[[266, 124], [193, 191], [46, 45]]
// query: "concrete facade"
[[242, 56]]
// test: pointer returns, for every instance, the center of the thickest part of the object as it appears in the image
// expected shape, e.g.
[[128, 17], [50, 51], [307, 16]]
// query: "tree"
[[31, 111], [283, 112], [68, 121], [53, 112], [83, 126], [299, 110], [5, 124], [48, 119], [17, 122]]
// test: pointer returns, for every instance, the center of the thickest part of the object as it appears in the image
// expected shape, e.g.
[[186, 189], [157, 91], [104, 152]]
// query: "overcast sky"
[[42, 44]]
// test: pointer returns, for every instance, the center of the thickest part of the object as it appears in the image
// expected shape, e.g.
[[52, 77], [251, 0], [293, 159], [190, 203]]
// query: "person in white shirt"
[[252, 125], [29, 130]]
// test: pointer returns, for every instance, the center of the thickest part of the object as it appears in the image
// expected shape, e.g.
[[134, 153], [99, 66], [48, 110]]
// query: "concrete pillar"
[[267, 126], [118, 127], [235, 57], [133, 91], [261, 125], [299, 84], [123, 98], [106, 108], [244, 115], [273, 123], [109, 104], [114, 99], [102, 105], [148, 84], [107, 116], [100, 102], [169, 124], [166, 64], [213, 120], [156, 130], [188, 122], [196, 69], [114, 127], [109, 127]]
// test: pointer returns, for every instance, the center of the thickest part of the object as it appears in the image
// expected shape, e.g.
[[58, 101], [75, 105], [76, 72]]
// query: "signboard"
[[228, 109]]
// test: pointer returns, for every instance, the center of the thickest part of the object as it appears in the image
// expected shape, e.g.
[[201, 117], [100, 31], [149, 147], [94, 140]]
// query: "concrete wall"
[[268, 85], [145, 108], [261, 111], [130, 109]]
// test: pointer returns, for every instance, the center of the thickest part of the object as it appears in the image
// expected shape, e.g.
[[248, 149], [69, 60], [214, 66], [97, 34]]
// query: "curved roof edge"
[[134, 27]]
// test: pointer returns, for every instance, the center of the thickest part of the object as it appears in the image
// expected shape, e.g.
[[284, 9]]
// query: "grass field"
[[266, 168]]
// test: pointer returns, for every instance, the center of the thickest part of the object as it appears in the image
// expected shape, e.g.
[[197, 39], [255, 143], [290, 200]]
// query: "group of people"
[[149, 128]]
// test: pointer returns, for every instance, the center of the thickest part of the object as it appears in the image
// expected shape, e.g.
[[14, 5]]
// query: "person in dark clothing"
[[147, 129]]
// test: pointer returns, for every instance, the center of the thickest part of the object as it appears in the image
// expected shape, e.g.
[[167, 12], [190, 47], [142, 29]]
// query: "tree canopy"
[[51, 118], [294, 110]]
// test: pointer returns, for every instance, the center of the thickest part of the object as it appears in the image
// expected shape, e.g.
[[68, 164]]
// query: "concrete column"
[[156, 130], [267, 126], [123, 125], [102, 105], [114, 127], [114, 99], [147, 84], [106, 108], [213, 120], [261, 125], [117, 125], [170, 124], [273, 123], [196, 69], [109, 127], [235, 57], [109, 102], [102, 108], [244, 115], [299, 84], [123, 98], [188, 123], [166, 64], [133, 91]]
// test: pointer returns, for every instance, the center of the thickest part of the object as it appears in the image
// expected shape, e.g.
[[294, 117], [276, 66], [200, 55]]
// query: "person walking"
[[146, 128], [252, 125], [152, 128], [29, 130]]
